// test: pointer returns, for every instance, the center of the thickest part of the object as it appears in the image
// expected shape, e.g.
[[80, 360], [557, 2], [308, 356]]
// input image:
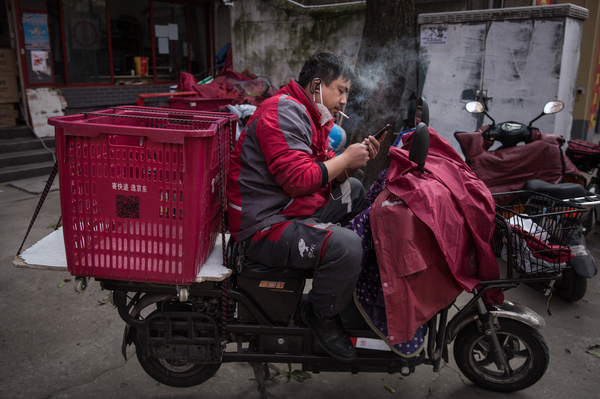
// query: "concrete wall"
[[273, 38]]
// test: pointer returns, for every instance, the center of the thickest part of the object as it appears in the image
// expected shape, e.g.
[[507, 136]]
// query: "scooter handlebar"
[[507, 134]]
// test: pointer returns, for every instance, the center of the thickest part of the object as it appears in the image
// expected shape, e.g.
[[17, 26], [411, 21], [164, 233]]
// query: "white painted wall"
[[450, 70], [521, 63], [569, 68]]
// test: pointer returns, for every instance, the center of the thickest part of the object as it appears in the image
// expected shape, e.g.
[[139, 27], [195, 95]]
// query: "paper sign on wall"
[[173, 32], [38, 61], [161, 30], [434, 35], [163, 45]]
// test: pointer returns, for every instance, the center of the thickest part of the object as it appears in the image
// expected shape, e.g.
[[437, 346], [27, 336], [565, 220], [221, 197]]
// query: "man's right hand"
[[356, 156], [353, 158]]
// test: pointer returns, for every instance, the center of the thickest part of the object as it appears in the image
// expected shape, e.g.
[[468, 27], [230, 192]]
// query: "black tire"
[[592, 216], [525, 348], [571, 287], [590, 221], [175, 373]]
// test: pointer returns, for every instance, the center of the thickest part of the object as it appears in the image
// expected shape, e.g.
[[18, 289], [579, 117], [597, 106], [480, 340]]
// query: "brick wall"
[[81, 99]]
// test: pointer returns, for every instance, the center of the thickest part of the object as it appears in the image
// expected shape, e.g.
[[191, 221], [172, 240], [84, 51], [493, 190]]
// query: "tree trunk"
[[386, 52]]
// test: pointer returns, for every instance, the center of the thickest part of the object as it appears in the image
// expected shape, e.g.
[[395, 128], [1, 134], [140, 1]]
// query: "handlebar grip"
[[491, 133]]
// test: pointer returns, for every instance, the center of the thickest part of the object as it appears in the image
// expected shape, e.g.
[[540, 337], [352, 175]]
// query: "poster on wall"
[[35, 31], [434, 35], [38, 61]]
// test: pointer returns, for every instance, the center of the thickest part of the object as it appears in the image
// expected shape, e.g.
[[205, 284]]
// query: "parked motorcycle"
[[529, 159]]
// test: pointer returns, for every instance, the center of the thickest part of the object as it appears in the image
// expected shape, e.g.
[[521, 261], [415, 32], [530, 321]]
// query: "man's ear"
[[315, 85]]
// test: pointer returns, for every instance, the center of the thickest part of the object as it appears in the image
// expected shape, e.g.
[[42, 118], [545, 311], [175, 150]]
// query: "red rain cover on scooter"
[[460, 212], [219, 88], [508, 169]]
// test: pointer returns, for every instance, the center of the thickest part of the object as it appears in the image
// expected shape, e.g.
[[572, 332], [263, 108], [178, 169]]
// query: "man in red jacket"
[[287, 193]]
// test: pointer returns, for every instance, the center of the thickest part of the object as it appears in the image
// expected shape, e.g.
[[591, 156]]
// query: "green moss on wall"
[[244, 29], [275, 41]]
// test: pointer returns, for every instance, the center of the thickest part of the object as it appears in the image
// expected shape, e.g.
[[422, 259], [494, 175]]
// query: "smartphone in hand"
[[383, 130]]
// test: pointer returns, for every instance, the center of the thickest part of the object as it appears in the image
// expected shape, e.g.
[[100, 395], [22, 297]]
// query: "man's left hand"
[[373, 145]]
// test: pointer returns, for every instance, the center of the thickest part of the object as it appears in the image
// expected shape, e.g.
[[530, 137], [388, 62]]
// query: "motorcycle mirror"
[[419, 147], [422, 112], [552, 107], [475, 107]]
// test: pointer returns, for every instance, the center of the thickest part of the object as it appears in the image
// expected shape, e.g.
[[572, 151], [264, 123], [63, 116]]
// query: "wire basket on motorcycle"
[[537, 241]]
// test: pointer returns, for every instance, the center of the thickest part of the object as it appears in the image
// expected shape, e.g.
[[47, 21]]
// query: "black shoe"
[[330, 333]]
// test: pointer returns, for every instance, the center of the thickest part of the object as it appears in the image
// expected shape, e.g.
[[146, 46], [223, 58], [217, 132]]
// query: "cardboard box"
[[12, 113], [8, 62], [8, 122], [9, 89]]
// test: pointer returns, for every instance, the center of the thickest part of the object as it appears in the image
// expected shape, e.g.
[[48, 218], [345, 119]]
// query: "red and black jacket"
[[276, 171]]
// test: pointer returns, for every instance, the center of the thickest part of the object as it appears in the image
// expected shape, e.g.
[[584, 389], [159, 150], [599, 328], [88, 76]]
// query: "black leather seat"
[[560, 191], [255, 270]]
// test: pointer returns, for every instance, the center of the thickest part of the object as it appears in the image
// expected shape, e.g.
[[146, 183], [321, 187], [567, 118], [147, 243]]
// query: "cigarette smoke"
[[379, 78]]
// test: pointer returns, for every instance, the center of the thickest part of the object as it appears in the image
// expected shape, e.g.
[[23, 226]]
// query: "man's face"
[[335, 95]]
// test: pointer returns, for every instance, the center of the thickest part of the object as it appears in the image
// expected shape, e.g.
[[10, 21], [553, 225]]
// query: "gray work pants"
[[335, 267]]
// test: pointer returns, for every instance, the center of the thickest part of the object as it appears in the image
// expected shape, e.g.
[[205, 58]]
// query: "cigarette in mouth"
[[344, 115]]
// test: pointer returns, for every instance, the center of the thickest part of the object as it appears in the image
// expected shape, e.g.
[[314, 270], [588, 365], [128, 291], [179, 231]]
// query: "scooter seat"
[[255, 270], [560, 191]]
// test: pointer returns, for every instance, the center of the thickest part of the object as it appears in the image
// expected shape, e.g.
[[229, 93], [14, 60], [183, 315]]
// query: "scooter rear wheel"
[[175, 373], [571, 287], [526, 352]]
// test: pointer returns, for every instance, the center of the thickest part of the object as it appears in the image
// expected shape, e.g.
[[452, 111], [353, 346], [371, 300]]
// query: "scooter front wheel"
[[526, 354]]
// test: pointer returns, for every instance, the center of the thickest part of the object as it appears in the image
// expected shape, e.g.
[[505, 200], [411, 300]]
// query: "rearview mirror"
[[550, 108], [474, 107], [553, 107]]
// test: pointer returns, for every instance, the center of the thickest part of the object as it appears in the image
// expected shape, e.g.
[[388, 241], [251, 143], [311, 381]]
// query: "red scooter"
[[512, 156], [241, 311]]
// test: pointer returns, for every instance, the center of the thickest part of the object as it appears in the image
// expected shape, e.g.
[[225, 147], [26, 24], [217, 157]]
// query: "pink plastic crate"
[[199, 103], [140, 191]]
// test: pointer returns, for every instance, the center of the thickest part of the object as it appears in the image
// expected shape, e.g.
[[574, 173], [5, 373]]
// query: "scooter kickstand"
[[261, 373]]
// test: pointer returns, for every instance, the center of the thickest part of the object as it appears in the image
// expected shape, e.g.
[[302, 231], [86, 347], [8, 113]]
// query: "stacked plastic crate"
[[199, 103]]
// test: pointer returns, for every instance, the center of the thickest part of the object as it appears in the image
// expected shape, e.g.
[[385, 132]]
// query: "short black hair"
[[326, 66]]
